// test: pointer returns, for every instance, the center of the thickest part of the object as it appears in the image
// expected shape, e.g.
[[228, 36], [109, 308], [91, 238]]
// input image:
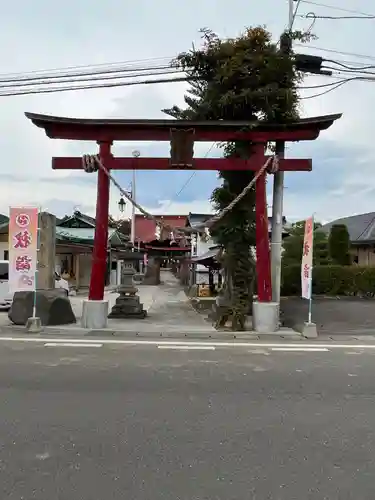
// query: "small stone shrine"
[[128, 304]]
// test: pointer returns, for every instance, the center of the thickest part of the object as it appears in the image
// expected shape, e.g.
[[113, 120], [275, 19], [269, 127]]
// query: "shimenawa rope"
[[92, 163]]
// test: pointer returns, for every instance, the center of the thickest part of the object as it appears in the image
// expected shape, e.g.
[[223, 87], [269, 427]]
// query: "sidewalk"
[[170, 315], [168, 312]]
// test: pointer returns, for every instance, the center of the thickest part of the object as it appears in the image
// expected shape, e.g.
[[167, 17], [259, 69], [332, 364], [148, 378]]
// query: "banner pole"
[[311, 269], [310, 299], [36, 266]]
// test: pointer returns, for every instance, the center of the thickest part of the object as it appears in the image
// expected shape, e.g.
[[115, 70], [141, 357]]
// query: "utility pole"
[[278, 187], [136, 154], [291, 14]]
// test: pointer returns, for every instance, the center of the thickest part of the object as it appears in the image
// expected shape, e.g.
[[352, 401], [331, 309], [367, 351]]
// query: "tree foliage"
[[121, 225], [339, 245], [244, 78], [293, 245]]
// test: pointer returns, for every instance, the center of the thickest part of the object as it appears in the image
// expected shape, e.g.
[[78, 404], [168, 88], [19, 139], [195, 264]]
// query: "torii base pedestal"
[[94, 314], [266, 317]]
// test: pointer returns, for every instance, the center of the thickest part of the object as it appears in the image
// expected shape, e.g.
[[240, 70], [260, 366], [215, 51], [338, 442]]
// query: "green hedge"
[[330, 280]]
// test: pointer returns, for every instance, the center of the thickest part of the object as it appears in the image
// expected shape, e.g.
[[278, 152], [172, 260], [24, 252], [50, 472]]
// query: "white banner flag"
[[23, 244], [307, 259]]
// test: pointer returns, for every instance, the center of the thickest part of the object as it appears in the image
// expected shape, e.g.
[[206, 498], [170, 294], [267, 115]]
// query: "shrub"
[[331, 280], [339, 244]]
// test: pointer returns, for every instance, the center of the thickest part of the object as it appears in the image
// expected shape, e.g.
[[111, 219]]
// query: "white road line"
[[188, 347], [70, 344], [300, 349], [264, 345]]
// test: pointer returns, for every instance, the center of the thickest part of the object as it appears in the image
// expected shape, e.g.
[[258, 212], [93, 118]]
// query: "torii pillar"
[[105, 131]]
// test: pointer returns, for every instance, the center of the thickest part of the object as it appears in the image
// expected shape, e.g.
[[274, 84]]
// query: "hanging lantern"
[[121, 205]]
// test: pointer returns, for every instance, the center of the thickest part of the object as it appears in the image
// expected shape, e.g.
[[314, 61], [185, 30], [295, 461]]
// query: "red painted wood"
[[116, 133], [255, 163], [99, 258], [263, 263]]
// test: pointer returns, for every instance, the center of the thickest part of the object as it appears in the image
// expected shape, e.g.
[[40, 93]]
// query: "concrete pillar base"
[[94, 314], [266, 317], [309, 330], [34, 325]]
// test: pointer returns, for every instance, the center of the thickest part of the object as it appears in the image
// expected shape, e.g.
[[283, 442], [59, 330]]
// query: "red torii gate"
[[106, 131]]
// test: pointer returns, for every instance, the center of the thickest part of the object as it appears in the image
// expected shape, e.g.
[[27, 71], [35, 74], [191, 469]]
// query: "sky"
[[43, 35]]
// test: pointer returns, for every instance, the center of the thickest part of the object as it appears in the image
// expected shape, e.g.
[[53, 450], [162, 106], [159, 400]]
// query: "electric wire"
[[188, 180], [334, 7], [349, 71], [333, 51], [145, 82], [131, 64], [351, 68], [159, 72], [92, 87], [10, 85], [337, 85], [312, 15], [62, 77]]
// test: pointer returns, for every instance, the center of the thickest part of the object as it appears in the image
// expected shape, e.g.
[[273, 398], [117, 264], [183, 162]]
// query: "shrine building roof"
[[145, 228]]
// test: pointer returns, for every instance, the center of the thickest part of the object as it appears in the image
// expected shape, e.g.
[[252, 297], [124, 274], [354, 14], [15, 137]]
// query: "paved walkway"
[[166, 305], [168, 311]]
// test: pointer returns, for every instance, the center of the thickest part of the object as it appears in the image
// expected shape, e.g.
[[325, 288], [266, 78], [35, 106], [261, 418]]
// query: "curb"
[[286, 334], [282, 335]]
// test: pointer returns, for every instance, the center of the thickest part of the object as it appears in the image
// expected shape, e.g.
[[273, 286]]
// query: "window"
[[6, 254]]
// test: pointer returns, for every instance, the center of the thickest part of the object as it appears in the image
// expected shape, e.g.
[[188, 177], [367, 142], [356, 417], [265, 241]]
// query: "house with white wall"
[[202, 245]]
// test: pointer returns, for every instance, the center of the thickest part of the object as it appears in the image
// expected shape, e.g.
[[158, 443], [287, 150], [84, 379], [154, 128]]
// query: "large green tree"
[[244, 78]]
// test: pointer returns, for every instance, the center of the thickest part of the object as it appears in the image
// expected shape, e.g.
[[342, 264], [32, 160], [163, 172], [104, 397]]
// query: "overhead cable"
[[334, 7]]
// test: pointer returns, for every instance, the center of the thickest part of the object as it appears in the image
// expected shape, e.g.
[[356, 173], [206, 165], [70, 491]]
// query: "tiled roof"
[[145, 228], [83, 234], [90, 221], [198, 219], [361, 228]]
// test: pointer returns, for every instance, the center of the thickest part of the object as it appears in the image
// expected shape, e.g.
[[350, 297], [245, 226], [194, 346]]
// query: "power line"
[[321, 86], [92, 87], [337, 85], [312, 15], [160, 72], [132, 64], [62, 77], [14, 87], [16, 92], [334, 7], [340, 52], [349, 71], [188, 180], [353, 68]]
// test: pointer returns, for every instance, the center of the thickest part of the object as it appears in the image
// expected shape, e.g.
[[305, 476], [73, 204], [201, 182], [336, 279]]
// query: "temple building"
[[159, 242], [204, 267]]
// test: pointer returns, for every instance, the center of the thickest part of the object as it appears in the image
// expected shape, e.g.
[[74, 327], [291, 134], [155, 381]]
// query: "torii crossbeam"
[[182, 135]]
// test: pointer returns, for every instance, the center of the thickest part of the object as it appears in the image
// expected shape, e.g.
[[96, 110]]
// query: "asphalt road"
[[120, 421]]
